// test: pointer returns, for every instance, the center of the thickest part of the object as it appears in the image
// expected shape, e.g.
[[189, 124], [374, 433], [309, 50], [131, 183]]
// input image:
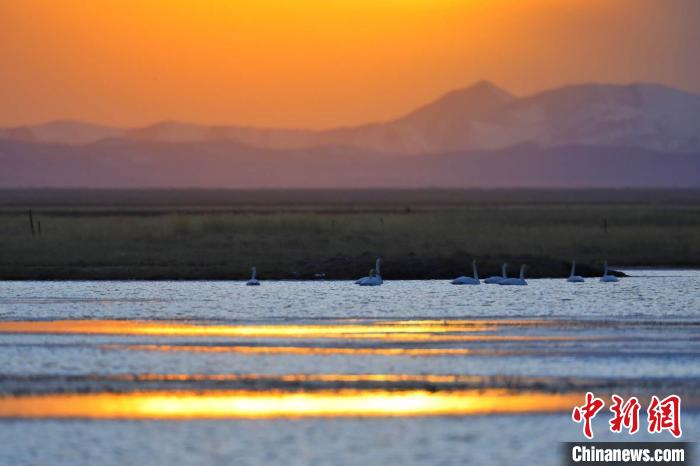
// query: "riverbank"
[[337, 268], [433, 238]]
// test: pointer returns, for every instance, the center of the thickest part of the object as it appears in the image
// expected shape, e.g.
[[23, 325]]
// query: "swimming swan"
[[468, 280], [369, 274], [572, 277], [516, 281], [608, 278], [495, 279], [252, 281], [374, 278]]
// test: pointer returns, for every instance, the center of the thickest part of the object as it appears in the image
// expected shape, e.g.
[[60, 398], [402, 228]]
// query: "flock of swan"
[[520, 281], [374, 278]]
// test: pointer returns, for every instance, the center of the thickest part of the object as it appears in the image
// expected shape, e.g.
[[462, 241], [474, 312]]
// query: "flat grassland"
[[299, 234]]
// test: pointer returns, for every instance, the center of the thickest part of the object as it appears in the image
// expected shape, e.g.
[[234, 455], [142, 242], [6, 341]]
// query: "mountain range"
[[588, 135]]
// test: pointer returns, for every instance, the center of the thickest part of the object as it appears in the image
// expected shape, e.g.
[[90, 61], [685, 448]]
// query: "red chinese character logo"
[[626, 415], [587, 412], [665, 415]]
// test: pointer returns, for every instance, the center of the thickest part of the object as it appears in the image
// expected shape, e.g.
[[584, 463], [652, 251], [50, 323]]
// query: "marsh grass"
[[429, 243]]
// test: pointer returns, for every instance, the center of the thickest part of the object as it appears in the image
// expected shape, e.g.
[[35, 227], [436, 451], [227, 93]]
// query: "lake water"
[[412, 372]]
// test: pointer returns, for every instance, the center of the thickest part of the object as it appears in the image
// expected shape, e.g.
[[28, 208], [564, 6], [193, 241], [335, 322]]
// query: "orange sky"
[[320, 63]]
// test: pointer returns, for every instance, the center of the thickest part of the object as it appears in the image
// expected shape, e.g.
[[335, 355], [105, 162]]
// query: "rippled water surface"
[[412, 372], [649, 295]]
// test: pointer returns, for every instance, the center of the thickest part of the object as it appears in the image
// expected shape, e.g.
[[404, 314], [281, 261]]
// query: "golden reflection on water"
[[491, 322], [315, 350], [276, 404], [397, 331], [130, 327], [420, 378]]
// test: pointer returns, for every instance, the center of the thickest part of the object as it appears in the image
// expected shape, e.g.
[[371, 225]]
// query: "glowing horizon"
[[318, 64]]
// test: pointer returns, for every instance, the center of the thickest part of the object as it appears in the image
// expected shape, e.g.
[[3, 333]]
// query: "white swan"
[[608, 278], [496, 279], [374, 278], [468, 280], [573, 278], [253, 281], [516, 281], [360, 280]]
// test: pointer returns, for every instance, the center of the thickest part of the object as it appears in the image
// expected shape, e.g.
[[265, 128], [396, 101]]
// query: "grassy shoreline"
[[431, 239]]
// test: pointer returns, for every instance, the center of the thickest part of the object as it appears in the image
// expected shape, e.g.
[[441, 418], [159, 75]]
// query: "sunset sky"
[[320, 63]]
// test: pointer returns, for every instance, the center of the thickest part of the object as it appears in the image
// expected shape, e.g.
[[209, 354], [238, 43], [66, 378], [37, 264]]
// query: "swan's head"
[[474, 262]]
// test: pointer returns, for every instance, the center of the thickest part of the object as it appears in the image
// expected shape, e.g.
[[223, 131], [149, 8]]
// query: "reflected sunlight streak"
[[397, 331], [123, 327], [275, 404], [313, 350]]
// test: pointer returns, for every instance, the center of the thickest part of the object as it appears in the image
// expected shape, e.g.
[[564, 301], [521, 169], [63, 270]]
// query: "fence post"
[[31, 221]]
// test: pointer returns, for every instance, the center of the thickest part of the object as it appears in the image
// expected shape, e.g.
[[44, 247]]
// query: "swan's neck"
[[376, 268], [476, 274], [522, 272], [573, 269], [503, 270], [605, 269], [253, 276]]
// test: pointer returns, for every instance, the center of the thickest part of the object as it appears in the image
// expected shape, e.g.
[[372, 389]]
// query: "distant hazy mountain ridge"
[[480, 117], [639, 135]]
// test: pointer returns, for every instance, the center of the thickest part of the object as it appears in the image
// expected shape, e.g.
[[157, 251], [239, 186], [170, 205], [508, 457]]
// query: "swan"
[[252, 281], [374, 278], [495, 279], [516, 281], [360, 280], [608, 278], [468, 280], [572, 277]]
